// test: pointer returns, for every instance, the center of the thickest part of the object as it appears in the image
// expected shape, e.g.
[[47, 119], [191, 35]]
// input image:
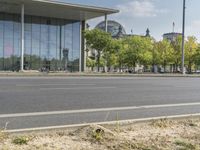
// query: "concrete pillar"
[[106, 30], [22, 37], [83, 48], [106, 22]]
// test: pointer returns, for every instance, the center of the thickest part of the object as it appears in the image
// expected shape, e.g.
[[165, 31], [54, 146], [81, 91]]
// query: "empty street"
[[33, 102]]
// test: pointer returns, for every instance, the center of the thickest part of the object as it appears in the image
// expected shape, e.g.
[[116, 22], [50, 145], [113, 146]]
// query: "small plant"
[[185, 146], [61, 134], [162, 123], [192, 123], [98, 134], [117, 123], [22, 140]]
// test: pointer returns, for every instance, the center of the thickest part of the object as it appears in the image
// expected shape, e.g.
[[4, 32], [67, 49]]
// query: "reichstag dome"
[[114, 28]]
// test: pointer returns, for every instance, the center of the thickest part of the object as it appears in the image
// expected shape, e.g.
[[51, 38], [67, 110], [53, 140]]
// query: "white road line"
[[78, 88], [38, 85], [94, 110], [101, 123]]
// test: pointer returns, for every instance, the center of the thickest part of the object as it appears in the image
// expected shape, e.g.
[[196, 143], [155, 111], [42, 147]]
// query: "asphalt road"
[[32, 95]]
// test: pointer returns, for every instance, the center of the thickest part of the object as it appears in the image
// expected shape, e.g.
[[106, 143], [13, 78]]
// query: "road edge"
[[120, 122]]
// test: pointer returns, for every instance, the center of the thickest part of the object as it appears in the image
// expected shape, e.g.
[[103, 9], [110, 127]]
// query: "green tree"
[[197, 58], [109, 53], [191, 46], [177, 45], [137, 51], [117, 46], [98, 40], [146, 58], [90, 63], [164, 53]]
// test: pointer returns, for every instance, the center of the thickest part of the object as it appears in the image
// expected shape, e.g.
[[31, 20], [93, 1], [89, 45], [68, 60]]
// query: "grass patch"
[[162, 123], [192, 123], [183, 145], [21, 140], [3, 136], [98, 134]]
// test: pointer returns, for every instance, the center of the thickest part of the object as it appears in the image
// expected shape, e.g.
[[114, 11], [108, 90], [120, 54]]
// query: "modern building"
[[171, 36], [44, 34]]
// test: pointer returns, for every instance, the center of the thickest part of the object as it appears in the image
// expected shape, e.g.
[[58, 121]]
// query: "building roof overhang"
[[55, 9]]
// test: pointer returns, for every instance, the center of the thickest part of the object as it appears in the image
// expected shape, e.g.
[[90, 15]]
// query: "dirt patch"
[[154, 135]]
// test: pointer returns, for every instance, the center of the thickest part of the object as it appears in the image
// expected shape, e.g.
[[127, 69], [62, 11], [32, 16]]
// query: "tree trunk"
[[98, 62], [164, 66], [134, 64], [176, 67], [153, 69], [120, 66], [190, 67]]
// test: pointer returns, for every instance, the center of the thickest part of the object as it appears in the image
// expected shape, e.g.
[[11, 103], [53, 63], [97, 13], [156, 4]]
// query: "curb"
[[93, 75], [122, 122]]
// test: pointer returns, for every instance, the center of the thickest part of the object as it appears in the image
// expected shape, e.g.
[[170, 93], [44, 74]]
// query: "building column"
[[106, 22], [83, 48], [106, 30], [22, 37]]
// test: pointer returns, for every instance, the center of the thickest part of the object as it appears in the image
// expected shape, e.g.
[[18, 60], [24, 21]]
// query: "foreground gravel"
[[154, 135]]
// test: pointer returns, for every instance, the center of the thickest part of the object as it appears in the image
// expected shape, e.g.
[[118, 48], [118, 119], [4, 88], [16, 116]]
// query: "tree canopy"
[[131, 51]]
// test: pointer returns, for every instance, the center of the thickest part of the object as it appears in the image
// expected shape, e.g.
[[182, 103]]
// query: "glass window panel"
[[16, 42], [8, 52], [76, 45], [53, 43], [36, 43], [1, 58], [36, 24], [27, 26], [28, 43], [17, 36], [8, 41], [44, 43], [1, 41], [8, 26]]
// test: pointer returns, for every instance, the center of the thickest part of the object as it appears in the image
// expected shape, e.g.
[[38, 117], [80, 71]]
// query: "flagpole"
[[183, 40]]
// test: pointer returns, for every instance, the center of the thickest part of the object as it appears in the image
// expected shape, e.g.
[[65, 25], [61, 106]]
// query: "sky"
[[157, 15]]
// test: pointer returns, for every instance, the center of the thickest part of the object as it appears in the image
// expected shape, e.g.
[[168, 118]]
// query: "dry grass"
[[161, 134], [3, 136]]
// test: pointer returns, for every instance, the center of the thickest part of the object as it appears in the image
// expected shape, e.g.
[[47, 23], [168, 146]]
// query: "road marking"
[[121, 122], [94, 110], [78, 88], [37, 85]]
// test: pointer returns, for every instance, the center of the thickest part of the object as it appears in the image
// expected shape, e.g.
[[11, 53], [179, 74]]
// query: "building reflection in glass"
[[47, 41]]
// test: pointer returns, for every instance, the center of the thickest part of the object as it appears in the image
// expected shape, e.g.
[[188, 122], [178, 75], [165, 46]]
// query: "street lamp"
[[183, 39]]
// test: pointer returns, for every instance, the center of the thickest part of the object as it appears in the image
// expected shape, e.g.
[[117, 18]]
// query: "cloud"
[[140, 8], [134, 15]]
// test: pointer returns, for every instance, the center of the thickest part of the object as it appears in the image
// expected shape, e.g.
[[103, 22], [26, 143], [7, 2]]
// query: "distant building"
[[171, 36], [117, 30], [147, 33], [114, 28]]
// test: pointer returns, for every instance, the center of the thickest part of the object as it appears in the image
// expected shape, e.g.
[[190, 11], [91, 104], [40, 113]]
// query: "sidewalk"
[[79, 74]]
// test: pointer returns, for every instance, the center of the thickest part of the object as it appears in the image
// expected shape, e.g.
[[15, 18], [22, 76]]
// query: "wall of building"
[[49, 43]]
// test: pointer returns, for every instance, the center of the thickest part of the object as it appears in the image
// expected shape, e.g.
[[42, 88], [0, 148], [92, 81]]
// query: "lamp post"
[[183, 40]]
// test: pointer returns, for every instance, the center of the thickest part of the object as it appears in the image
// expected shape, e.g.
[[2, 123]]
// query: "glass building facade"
[[50, 43]]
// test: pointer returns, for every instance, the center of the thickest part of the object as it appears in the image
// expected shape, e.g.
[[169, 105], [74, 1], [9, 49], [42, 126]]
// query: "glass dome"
[[114, 28]]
